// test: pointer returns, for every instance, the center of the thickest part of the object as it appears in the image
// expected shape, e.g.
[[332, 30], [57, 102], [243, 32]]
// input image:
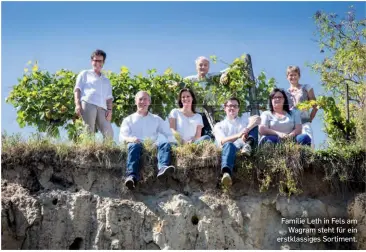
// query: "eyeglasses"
[[278, 97], [232, 106], [98, 61]]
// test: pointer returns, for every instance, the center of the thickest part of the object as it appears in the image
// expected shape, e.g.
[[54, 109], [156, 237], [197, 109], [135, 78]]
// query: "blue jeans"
[[134, 154], [302, 139], [229, 150], [228, 157], [202, 138], [254, 134]]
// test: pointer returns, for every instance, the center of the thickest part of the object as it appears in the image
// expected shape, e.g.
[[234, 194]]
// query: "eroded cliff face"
[[81, 203]]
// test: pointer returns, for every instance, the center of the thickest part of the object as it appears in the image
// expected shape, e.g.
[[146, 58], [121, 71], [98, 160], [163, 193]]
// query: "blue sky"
[[145, 35]]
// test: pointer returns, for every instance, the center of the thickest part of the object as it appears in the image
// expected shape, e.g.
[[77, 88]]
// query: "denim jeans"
[[254, 134], [228, 157], [134, 154], [302, 139], [229, 150], [203, 138]]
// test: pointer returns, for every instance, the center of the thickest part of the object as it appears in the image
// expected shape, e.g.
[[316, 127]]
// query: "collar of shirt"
[[233, 121], [102, 76]]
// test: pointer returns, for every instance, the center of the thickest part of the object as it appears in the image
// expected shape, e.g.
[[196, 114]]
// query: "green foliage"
[[46, 101], [342, 40], [336, 126]]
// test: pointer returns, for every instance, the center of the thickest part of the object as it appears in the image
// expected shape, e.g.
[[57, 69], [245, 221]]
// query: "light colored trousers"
[[93, 115], [306, 129]]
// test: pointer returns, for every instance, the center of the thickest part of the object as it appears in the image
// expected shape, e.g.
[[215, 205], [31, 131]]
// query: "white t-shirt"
[[229, 127], [186, 126], [145, 127], [285, 125], [94, 89]]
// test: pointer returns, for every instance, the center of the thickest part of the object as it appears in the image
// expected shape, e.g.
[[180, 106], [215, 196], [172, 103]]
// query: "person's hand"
[[290, 135], [224, 79], [244, 137], [282, 135], [78, 110], [244, 132], [108, 115]]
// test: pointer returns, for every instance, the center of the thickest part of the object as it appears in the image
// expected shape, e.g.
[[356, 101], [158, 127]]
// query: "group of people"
[[93, 102]]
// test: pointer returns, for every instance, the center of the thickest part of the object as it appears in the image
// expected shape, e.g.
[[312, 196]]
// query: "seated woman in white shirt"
[[137, 128], [184, 121], [280, 123]]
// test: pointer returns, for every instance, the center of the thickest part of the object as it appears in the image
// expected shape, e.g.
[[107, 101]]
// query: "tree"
[[342, 72]]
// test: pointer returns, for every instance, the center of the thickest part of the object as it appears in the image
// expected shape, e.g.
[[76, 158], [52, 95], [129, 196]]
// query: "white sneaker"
[[246, 150], [226, 180]]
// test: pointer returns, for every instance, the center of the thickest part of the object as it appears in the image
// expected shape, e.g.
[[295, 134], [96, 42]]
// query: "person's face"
[[97, 63], [186, 99], [202, 67], [278, 100], [142, 101], [293, 78], [232, 108]]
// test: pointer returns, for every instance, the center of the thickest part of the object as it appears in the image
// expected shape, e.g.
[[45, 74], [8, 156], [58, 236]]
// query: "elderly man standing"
[[93, 97], [137, 128], [205, 78]]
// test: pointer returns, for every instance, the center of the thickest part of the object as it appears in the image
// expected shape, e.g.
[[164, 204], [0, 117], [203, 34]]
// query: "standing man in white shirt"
[[235, 133], [93, 97], [137, 128]]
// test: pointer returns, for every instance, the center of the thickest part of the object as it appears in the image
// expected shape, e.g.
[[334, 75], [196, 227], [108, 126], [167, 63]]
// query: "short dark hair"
[[233, 98], [99, 53], [286, 106], [194, 101]]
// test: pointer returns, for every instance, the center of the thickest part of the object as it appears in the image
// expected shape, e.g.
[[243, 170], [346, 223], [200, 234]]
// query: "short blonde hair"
[[202, 58], [291, 69]]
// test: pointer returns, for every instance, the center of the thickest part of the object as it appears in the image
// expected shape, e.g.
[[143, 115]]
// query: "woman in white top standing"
[[300, 93], [185, 121]]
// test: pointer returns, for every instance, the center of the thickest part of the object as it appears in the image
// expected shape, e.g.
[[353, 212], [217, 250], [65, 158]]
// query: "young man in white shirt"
[[93, 97], [137, 128], [234, 133]]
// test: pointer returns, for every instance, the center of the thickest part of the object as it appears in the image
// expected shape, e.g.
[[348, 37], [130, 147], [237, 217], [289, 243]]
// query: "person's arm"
[[125, 133], [297, 120], [109, 102], [222, 139], [296, 131], [164, 129], [311, 96], [108, 114], [173, 123], [198, 132], [77, 94], [264, 129], [199, 127]]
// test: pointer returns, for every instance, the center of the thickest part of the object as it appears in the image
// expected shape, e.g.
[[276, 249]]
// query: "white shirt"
[[203, 82], [145, 127], [186, 126], [229, 127], [94, 89]]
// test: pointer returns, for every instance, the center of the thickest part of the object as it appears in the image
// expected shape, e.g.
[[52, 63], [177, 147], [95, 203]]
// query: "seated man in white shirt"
[[235, 133], [93, 97], [137, 128]]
